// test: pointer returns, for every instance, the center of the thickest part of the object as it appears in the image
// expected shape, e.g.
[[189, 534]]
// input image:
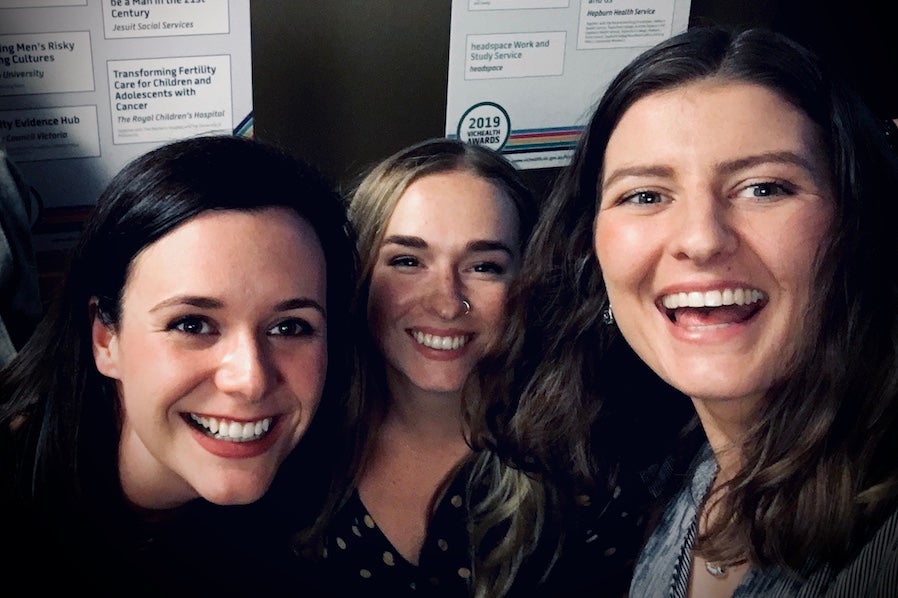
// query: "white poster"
[[157, 100], [524, 75], [88, 85]]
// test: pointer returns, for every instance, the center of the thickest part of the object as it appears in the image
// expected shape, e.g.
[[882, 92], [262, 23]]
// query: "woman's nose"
[[447, 297], [703, 230], [245, 369]]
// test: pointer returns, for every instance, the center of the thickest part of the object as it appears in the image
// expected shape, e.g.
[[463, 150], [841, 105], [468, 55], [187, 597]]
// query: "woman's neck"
[[725, 422], [145, 483], [428, 413]]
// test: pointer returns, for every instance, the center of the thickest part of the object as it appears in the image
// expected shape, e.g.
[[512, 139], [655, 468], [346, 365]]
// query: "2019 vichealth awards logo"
[[486, 123]]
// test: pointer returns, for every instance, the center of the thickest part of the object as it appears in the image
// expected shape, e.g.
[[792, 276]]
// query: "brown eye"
[[489, 268], [404, 261], [191, 325], [291, 327]]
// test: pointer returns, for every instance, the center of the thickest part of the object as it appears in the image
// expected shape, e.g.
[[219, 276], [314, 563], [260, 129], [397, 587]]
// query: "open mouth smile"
[[720, 307], [229, 430]]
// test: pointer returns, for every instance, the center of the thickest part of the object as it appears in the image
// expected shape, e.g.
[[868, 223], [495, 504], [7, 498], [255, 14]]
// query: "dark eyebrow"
[[419, 243], [406, 241], [729, 167], [209, 303], [765, 158], [490, 246], [300, 303], [192, 300], [658, 171]]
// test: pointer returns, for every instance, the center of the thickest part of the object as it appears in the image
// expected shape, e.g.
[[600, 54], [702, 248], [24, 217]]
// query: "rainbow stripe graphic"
[[542, 140], [246, 126]]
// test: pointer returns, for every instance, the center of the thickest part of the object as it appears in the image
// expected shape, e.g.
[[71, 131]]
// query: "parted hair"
[[372, 203], [51, 395], [822, 464]]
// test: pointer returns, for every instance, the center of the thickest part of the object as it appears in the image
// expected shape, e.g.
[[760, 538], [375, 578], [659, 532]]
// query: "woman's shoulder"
[[874, 571]]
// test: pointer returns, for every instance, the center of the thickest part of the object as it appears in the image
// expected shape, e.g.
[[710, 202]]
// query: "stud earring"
[[607, 316]]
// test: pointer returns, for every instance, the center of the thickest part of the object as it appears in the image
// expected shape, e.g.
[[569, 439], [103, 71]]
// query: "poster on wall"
[[524, 75], [88, 85]]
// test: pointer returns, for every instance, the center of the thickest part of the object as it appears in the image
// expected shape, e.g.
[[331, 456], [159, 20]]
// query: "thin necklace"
[[716, 571]]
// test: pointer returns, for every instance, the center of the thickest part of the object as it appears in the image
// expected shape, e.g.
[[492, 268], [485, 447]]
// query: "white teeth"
[[442, 343], [712, 298], [728, 297], [233, 431]]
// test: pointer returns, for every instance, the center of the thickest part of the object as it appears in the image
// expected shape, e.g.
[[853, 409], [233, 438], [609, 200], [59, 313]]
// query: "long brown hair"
[[823, 468]]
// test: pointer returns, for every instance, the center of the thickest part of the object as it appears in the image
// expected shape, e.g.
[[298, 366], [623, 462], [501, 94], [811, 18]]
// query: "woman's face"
[[219, 357], [715, 201], [452, 237]]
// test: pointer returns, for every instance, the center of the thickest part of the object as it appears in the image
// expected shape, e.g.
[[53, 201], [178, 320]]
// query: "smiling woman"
[[741, 216], [442, 225], [219, 363], [729, 215], [202, 328]]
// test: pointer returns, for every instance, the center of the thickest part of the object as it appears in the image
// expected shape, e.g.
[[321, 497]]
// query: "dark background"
[[345, 83]]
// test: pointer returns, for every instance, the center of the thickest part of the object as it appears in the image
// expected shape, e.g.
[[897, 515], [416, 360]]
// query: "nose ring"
[[467, 306]]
